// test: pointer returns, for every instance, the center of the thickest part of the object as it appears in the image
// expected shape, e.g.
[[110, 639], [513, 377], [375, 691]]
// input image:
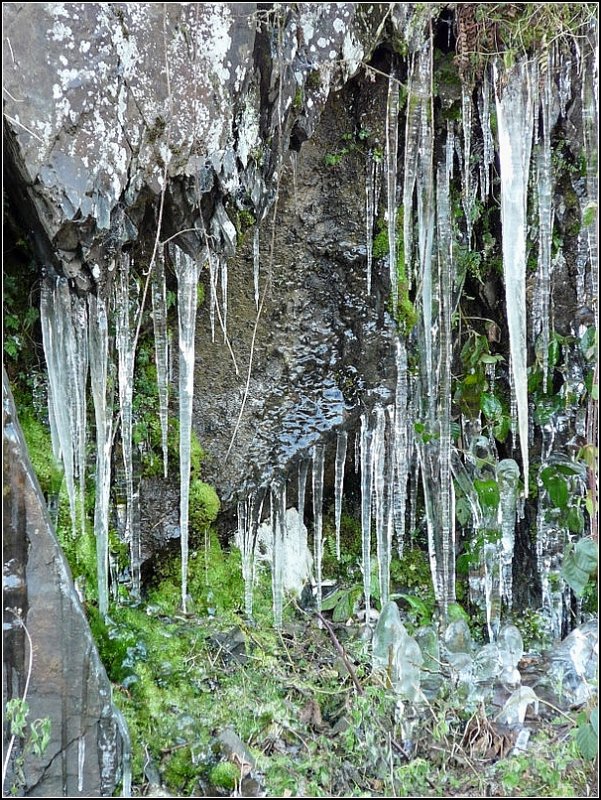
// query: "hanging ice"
[[488, 156], [256, 264], [303, 469], [366, 484], [125, 306], [224, 297], [515, 123], [213, 277], [379, 479], [249, 517], [446, 269], [508, 475], [317, 476], [514, 710], [392, 137], [341, 443], [161, 349], [65, 336], [278, 524], [186, 270], [372, 195], [544, 185], [103, 414], [402, 450]]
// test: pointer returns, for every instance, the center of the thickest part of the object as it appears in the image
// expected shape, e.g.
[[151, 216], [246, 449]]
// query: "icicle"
[[446, 267], [366, 484], [508, 474], [213, 276], [249, 518], [341, 443], [372, 199], [126, 359], [412, 136], [488, 156], [103, 413], [515, 122], [469, 186], [357, 451], [224, 296], [303, 468], [186, 270], [401, 445], [278, 522], [317, 476], [161, 350], [392, 138], [81, 760], [256, 264], [430, 509], [65, 332], [379, 467], [542, 292], [590, 130]]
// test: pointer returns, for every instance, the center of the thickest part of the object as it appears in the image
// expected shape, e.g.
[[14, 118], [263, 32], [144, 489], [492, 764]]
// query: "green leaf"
[[556, 486], [490, 406], [595, 720], [579, 562], [488, 493], [486, 358], [345, 608], [423, 609], [502, 428], [463, 511], [587, 741], [575, 519]]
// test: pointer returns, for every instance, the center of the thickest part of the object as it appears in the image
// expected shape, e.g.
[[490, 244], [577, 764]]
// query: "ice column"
[[317, 476], [103, 413], [186, 270], [341, 444], [515, 119], [161, 349]]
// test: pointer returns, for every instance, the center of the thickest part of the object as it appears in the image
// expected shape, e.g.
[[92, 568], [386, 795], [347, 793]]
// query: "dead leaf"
[[310, 714]]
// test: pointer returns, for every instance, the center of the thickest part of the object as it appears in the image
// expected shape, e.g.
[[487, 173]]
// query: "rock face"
[[68, 684]]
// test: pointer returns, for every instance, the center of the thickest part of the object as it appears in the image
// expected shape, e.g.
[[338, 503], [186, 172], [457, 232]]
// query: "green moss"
[[180, 773], [313, 81], [39, 445], [297, 103], [204, 504], [224, 775]]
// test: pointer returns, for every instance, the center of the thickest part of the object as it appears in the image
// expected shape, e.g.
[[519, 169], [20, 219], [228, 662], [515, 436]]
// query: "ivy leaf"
[[556, 486], [501, 429], [488, 493], [575, 519], [579, 562], [490, 406], [463, 511], [586, 740]]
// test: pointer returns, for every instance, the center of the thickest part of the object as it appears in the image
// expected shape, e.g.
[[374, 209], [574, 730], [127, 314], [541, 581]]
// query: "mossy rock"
[[224, 775]]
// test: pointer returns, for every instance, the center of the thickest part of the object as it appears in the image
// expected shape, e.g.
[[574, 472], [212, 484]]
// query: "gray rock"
[[68, 683]]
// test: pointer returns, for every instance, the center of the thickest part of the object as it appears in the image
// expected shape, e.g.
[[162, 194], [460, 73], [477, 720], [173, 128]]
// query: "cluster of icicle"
[[78, 338]]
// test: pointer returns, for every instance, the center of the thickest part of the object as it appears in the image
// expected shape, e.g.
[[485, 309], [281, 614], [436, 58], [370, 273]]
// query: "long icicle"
[[317, 478], [126, 359], [446, 268], [341, 444], [278, 522], [392, 138], [103, 414], [366, 484], [515, 124], [161, 350], [186, 270]]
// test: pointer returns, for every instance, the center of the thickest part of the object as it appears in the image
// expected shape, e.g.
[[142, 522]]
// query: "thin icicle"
[[379, 470], [256, 264], [126, 359], [186, 270], [341, 443], [446, 267], [278, 522], [65, 336], [515, 123], [213, 277], [402, 452], [303, 469], [508, 474], [544, 184], [412, 136], [488, 155], [224, 296], [468, 185], [392, 139], [372, 199], [366, 484], [161, 350], [103, 414], [317, 478]]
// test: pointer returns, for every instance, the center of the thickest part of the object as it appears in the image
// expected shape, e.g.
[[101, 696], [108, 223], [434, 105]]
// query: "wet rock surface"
[[68, 684]]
